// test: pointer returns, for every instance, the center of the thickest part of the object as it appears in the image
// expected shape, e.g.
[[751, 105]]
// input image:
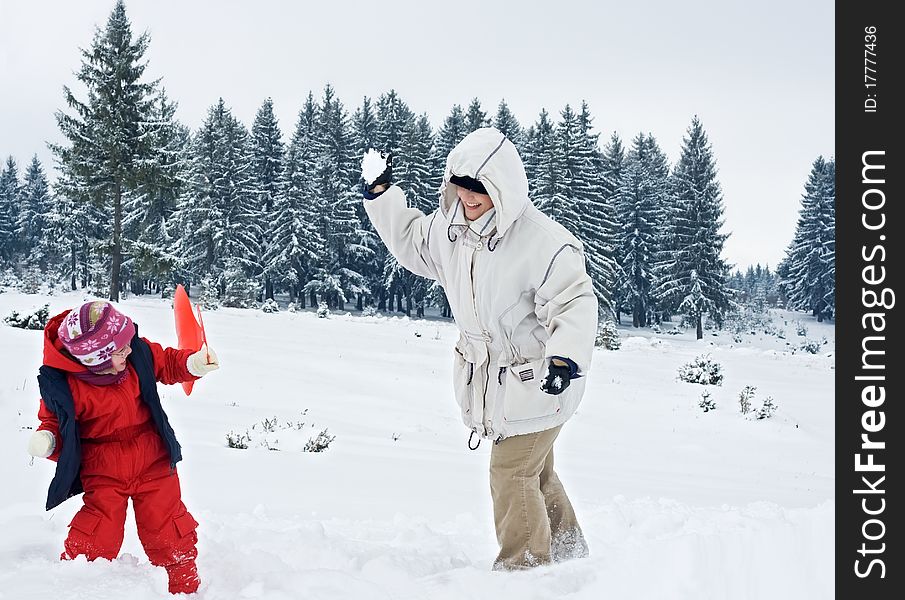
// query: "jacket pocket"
[[523, 399]]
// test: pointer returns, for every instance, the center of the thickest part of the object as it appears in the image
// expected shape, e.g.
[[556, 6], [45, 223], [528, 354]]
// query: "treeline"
[[142, 202]]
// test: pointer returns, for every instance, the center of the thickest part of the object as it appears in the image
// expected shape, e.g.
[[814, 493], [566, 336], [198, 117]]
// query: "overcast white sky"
[[760, 75]]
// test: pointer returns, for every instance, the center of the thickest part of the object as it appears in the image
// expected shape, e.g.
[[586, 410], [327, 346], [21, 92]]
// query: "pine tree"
[[337, 184], [612, 167], [692, 277], [475, 117], [268, 158], [598, 227], [295, 244], [506, 122], [567, 206], [449, 135], [33, 224], [638, 218], [107, 135], [9, 210], [222, 227], [540, 162], [149, 231], [809, 269]]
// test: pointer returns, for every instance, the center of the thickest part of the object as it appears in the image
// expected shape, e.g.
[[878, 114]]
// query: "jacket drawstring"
[[475, 447]]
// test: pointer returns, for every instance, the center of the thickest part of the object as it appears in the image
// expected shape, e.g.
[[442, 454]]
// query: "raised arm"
[[405, 231]]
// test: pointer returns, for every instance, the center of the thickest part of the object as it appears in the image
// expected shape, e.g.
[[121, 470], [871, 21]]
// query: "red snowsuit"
[[123, 456]]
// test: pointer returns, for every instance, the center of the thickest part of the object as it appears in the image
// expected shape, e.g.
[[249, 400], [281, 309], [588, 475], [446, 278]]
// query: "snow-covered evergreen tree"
[[612, 165], [107, 137], [336, 178], [149, 231], [693, 274], [450, 133], [268, 157], [506, 122], [638, 236], [809, 268], [475, 116], [540, 162], [220, 215], [573, 187], [9, 210], [598, 226], [295, 243], [33, 225]]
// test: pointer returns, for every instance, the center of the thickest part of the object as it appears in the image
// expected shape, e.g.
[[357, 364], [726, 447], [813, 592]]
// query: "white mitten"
[[202, 362], [41, 444]]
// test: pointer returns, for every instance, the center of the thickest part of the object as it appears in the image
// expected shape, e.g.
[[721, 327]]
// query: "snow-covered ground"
[[676, 503]]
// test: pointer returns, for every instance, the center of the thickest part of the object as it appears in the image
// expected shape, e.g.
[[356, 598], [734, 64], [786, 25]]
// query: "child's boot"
[[183, 577]]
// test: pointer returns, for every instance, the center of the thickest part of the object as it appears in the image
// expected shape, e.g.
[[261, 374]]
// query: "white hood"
[[490, 157]]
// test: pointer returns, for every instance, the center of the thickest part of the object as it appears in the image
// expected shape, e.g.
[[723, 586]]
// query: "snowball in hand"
[[372, 165]]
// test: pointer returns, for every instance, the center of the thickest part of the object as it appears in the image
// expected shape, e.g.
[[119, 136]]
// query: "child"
[[102, 421]]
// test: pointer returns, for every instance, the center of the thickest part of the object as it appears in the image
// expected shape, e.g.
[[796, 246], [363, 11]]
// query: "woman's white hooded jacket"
[[518, 290]]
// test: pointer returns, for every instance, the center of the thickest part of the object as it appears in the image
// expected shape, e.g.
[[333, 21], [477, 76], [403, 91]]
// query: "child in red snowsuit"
[[102, 421]]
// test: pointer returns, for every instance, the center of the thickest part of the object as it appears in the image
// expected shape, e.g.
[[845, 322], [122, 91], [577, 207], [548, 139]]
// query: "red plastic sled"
[[189, 332]]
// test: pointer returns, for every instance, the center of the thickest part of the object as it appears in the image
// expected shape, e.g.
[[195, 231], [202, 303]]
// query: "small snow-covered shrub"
[[239, 291], [810, 346], [744, 398], [270, 306], [703, 370], [707, 403], [766, 410], [273, 434], [36, 320], [801, 329], [323, 311], [369, 311], [8, 279], [656, 328], [319, 443], [30, 282], [608, 336], [293, 307], [238, 440], [208, 299]]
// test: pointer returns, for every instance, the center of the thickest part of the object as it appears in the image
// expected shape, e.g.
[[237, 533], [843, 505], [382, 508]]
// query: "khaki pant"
[[535, 522]]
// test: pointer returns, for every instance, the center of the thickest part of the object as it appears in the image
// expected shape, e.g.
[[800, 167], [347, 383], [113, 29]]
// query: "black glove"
[[385, 178], [557, 379]]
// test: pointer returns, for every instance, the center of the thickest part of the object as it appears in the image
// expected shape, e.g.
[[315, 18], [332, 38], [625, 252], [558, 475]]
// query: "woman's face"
[[475, 204]]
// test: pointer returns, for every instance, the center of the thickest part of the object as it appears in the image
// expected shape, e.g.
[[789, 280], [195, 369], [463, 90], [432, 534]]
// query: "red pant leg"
[[97, 529], [165, 527]]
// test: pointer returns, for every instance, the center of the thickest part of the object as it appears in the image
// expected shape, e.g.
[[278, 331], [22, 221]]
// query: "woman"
[[527, 315]]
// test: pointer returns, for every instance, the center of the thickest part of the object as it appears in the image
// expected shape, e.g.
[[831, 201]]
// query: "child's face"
[[119, 358]]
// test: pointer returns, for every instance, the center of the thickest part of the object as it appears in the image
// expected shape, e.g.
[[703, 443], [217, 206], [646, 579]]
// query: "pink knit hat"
[[93, 332]]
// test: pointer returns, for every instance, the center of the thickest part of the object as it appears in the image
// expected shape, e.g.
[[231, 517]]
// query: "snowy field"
[[676, 503]]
